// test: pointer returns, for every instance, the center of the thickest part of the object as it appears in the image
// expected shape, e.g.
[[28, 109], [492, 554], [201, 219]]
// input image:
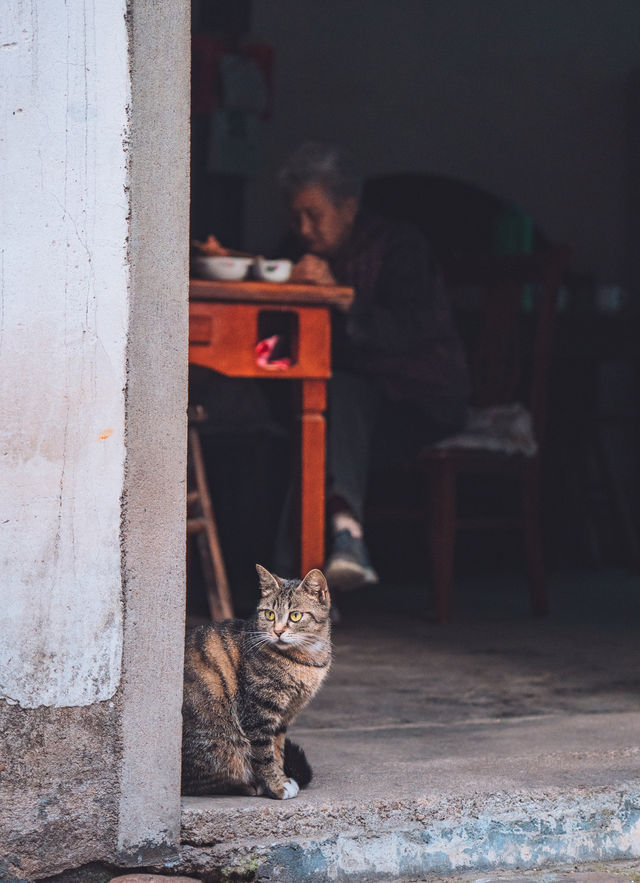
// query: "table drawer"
[[223, 336]]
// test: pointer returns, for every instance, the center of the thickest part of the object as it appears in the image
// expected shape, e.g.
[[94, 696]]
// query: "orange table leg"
[[313, 402]]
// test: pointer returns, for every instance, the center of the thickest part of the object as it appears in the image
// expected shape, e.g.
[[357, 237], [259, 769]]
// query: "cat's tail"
[[296, 765]]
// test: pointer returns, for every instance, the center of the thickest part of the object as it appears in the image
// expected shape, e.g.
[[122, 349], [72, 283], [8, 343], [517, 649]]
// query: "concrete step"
[[421, 798], [590, 872]]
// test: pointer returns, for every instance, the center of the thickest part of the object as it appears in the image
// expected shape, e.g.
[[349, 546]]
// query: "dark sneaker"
[[348, 567]]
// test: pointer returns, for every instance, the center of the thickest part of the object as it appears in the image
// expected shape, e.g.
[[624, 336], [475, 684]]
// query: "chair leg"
[[441, 508], [617, 501], [217, 610], [214, 571], [532, 526]]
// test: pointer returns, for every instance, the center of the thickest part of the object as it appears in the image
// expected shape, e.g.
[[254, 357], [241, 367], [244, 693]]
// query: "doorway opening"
[[499, 738]]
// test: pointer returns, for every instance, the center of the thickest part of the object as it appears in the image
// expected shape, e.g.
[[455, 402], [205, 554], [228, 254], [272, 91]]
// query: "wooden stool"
[[201, 522]]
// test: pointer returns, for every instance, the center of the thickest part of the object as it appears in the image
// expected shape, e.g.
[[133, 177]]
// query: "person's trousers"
[[365, 429]]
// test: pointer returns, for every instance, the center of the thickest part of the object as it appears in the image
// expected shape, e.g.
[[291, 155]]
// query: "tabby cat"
[[244, 682]]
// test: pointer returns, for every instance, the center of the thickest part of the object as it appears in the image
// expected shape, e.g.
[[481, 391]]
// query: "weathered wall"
[[525, 99], [62, 368], [58, 788], [93, 355], [64, 316]]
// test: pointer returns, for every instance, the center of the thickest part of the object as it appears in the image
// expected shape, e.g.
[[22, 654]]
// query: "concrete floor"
[[498, 742]]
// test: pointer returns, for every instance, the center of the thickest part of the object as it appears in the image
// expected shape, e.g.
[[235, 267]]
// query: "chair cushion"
[[505, 429]]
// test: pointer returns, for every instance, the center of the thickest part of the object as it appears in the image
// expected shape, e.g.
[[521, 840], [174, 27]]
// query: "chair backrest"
[[511, 352], [456, 217]]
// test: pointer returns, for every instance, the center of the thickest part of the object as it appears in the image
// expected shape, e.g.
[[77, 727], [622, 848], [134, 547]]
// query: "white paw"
[[290, 789]]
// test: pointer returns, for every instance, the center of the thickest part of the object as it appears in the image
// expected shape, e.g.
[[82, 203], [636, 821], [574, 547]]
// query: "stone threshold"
[[427, 799]]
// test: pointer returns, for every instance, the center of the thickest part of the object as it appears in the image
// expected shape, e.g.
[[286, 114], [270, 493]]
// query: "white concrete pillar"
[[153, 539]]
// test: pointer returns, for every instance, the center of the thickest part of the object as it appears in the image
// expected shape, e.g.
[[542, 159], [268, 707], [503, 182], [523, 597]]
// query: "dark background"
[[537, 105]]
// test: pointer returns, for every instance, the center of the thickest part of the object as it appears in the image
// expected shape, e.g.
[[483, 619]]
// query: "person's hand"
[[311, 268]]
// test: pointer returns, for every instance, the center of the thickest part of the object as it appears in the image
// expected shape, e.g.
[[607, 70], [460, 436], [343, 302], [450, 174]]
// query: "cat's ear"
[[268, 582], [315, 584]]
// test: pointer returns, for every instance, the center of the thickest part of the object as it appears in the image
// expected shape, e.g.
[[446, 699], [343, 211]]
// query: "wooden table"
[[226, 321]]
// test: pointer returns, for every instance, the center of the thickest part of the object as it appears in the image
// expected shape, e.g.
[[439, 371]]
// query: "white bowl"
[[272, 271], [226, 268]]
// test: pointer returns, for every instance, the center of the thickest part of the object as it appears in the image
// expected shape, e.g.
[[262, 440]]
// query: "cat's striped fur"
[[244, 682]]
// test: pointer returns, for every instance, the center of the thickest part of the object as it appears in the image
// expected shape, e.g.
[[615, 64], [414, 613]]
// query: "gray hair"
[[327, 165]]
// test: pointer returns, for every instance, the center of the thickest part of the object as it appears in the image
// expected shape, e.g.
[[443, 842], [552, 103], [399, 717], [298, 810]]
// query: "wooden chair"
[[456, 216], [201, 524], [509, 360]]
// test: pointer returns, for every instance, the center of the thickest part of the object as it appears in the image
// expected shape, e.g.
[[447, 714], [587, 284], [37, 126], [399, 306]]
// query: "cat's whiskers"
[[257, 642], [310, 644], [315, 640]]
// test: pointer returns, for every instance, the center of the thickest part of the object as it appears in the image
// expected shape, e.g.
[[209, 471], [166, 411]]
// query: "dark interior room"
[[484, 688], [499, 126]]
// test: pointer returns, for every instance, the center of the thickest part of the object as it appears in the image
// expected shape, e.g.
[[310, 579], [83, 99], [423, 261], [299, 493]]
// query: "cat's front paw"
[[290, 789], [285, 789]]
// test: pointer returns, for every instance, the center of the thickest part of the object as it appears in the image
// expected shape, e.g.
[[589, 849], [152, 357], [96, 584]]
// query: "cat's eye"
[[270, 615], [295, 616]]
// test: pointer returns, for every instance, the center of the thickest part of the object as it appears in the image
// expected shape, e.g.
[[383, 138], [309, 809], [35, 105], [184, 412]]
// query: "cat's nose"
[[279, 629]]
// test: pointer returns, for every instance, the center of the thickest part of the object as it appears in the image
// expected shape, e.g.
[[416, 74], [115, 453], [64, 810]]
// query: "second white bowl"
[[277, 270]]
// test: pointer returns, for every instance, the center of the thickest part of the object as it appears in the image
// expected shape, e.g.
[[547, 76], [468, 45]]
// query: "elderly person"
[[399, 377]]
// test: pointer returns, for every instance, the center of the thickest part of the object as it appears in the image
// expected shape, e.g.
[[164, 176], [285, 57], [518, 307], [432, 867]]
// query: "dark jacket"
[[399, 329]]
